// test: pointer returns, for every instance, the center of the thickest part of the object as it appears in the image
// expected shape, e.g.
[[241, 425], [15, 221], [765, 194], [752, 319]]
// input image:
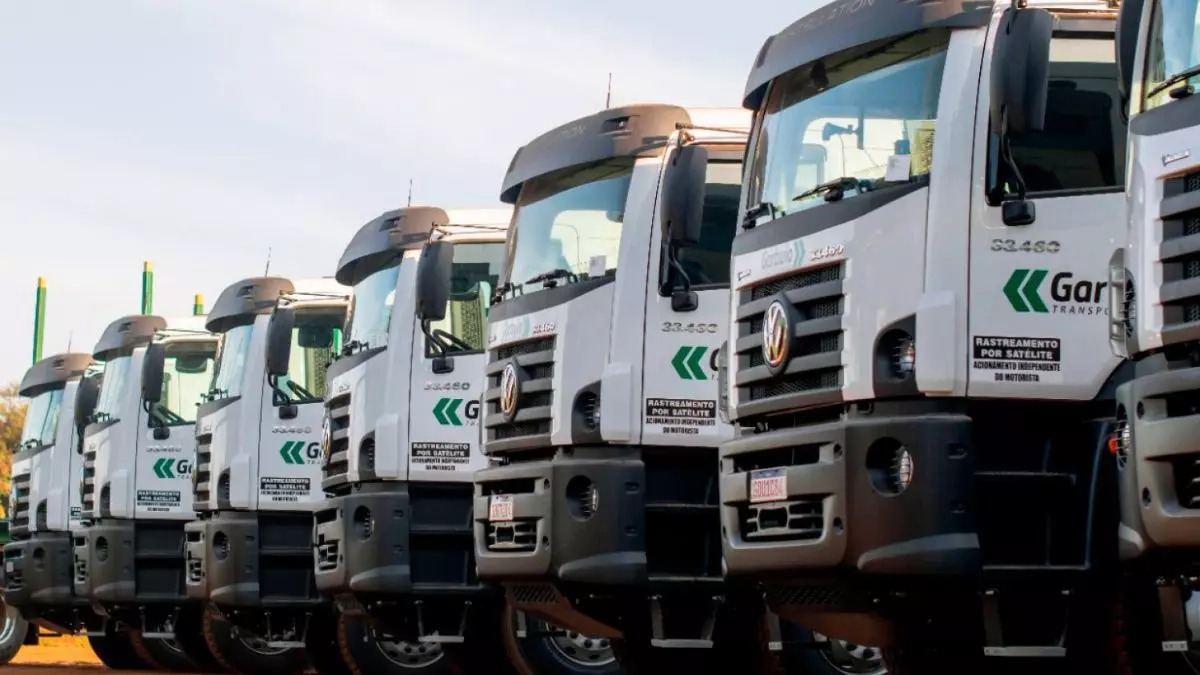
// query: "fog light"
[[904, 355], [364, 523], [583, 500], [890, 466]]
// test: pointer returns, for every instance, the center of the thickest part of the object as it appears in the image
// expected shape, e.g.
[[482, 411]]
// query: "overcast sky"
[[199, 133]]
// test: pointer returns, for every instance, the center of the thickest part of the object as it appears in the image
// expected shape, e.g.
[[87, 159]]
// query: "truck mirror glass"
[[85, 401], [279, 340], [1020, 70], [1129, 19], [153, 365], [683, 195], [433, 280]]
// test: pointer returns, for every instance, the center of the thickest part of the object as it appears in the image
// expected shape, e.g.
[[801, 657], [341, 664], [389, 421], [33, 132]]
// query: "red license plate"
[[768, 485], [500, 509]]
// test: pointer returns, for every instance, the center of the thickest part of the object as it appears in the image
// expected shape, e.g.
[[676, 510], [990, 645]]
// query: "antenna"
[[268, 269], [409, 192], [70, 337], [608, 93]]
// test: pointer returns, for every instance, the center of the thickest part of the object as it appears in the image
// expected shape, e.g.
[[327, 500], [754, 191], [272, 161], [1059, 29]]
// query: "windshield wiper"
[[835, 188], [750, 218], [506, 287], [1181, 76], [549, 279]]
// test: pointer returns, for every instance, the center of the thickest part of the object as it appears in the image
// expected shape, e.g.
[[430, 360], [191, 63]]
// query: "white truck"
[[1154, 305], [599, 508], [258, 474], [137, 455], [394, 540], [915, 365]]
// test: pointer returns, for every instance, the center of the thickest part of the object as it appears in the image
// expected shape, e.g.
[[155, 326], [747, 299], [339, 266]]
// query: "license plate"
[[768, 485], [500, 509]]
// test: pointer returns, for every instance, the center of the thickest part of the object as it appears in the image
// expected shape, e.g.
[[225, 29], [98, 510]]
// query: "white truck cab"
[[1155, 324], [257, 474], [138, 454], [599, 509], [915, 368]]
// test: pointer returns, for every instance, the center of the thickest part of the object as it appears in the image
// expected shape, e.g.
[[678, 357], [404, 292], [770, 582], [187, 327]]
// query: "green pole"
[[39, 319], [147, 288], [198, 305]]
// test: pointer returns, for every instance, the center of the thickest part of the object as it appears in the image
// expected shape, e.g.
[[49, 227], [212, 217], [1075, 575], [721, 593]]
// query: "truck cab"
[[921, 397], [393, 541], [1155, 325], [598, 510], [257, 473], [137, 460]]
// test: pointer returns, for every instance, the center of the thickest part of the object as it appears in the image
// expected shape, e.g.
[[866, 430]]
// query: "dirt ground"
[[53, 656]]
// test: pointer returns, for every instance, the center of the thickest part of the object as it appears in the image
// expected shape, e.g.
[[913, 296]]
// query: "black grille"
[[20, 515], [516, 536], [87, 486], [813, 375], [531, 427], [1180, 255], [202, 474], [335, 469], [797, 520]]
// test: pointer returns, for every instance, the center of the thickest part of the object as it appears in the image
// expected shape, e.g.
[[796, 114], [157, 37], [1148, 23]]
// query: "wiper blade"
[[506, 287], [750, 218], [838, 184], [1181, 76], [549, 278]]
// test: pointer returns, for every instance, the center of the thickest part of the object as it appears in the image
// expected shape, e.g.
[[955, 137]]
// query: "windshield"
[[1173, 48], [371, 309], [473, 275], [112, 388], [315, 337], [231, 362], [863, 118], [41, 418], [187, 372], [569, 220]]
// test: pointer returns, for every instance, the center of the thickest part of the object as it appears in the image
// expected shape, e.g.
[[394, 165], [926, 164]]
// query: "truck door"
[[1038, 298], [680, 372]]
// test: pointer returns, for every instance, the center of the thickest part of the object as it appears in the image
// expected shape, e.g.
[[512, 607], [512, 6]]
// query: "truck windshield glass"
[[371, 309], [568, 224], [231, 362], [112, 388], [473, 274], [41, 419], [851, 123], [187, 372], [315, 337], [1173, 59]]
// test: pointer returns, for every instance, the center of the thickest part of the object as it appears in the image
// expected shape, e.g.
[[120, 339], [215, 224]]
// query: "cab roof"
[[53, 372]]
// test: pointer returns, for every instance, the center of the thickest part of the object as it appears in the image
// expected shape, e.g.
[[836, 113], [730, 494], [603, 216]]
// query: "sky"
[[201, 134]]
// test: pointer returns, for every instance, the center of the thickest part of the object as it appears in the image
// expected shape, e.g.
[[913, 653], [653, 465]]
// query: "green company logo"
[[445, 411], [165, 467], [687, 363], [290, 452], [1022, 290], [1067, 296]]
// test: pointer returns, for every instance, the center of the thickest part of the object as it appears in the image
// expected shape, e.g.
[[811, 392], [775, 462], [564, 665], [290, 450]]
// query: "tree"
[[12, 421]]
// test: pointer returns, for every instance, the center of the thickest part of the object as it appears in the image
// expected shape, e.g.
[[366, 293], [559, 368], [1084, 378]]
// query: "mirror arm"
[[278, 395], [433, 339]]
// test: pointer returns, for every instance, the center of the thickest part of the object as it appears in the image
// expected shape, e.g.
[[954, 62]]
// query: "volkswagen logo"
[[510, 390], [777, 328]]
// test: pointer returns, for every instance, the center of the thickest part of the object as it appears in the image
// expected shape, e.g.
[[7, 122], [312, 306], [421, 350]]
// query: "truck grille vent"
[[531, 428], [202, 474], [20, 516], [1180, 256], [335, 469]]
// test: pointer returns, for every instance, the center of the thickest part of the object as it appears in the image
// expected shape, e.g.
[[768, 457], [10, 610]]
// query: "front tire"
[[115, 650], [912, 660], [12, 635], [249, 655], [161, 654], [189, 635], [832, 657], [365, 654], [321, 643], [539, 654]]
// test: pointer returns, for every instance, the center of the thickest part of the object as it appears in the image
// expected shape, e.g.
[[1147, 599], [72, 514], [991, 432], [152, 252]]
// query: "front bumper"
[[386, 541], [838, 512], [1159, 465], [131, 570], [38, 581], [251, 559], [577, 518]]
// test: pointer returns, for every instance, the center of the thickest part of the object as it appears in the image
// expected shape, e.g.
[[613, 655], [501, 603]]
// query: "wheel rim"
[[256, 644], [172, 645], [10, 624], [582, 650], [849, 658], [408, 654]]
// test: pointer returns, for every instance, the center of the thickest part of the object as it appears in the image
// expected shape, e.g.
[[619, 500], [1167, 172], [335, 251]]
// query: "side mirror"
[[1129, 20], [153, 365], [279, 340], [683, 195], [1021, 70], [433, 280], [86, 398]]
